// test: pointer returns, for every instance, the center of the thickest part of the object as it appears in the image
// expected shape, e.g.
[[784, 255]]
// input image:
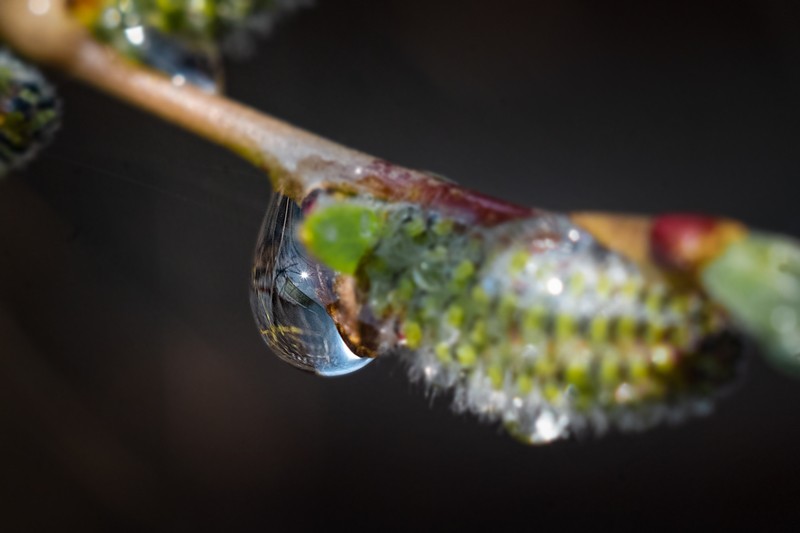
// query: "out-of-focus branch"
[[297, 161], [44, 31]]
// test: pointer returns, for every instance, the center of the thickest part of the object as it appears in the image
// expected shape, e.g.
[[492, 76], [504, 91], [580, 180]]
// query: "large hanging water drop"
[[291, 294]]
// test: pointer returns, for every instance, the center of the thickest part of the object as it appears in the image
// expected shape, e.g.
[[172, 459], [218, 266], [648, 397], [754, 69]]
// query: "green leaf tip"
[[757, 279], [341, 234]]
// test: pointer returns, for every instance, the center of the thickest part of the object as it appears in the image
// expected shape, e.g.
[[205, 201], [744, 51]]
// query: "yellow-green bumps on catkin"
[[520, 331]]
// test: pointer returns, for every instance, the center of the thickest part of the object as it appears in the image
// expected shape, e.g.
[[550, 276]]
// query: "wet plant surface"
[[135, 388]]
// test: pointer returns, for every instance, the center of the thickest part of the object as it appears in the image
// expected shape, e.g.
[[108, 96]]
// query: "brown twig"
[[296, 161]]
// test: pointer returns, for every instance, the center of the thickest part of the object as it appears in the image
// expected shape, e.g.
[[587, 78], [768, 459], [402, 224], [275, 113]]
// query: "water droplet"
[[178, 42], [291, 294], [196, 63]]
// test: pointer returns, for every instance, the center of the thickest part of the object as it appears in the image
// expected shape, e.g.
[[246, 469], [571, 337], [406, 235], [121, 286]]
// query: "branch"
[[705, 252], [297, 161]]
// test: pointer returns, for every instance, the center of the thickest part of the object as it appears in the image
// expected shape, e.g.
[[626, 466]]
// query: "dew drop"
[[195, 63], [290, 295], [177, 42]]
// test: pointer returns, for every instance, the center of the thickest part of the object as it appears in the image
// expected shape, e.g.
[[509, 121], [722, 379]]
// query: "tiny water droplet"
[[290, 297], [178, 41], [196, 63]]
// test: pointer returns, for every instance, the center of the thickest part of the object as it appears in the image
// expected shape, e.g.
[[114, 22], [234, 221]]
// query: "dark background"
[[136, 393]]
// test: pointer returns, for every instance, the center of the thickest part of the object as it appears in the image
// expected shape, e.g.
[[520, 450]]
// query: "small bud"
[[29, 112]]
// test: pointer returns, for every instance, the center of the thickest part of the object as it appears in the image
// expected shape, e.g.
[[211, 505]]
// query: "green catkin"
[[564, 340]]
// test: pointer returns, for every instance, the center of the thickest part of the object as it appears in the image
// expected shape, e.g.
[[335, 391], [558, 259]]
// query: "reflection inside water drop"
[[289, 295]]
